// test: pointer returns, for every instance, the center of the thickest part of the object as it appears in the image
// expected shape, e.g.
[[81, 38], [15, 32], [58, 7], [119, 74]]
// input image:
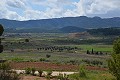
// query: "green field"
[[93, 75]]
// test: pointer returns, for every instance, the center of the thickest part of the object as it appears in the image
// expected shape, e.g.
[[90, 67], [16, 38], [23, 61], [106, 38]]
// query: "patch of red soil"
[[42, 65], [52, 66], [95, 68]]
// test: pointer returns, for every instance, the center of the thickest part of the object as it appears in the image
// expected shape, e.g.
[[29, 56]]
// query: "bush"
[[61, 77], [18, 59], [5, 66], [40, 71], [26, 40], [6, 74], [33, 71], [48, 76], [82, 72], [42, 59], [28, 70], [47, 55], [49, 72]]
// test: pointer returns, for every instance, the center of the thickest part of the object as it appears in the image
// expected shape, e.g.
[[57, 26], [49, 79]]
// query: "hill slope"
[[82, 22]]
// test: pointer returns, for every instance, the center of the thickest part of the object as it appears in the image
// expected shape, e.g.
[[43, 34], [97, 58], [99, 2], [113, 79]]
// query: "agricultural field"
[[50, 47], [59, 52]]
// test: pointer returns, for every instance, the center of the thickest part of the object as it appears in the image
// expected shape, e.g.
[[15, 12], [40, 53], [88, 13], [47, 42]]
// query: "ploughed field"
[[51, 66]]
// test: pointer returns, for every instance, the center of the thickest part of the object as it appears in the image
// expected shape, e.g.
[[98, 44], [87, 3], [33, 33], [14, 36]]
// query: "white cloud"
[[33, 14], [98, 6], [31, 9], [16, 3]]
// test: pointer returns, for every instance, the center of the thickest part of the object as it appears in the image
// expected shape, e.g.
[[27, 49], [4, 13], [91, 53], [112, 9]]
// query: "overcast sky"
[[44, 9]]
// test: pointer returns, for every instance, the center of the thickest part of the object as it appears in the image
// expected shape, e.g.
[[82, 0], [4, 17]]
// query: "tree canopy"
[[114, 62], [1, 29]]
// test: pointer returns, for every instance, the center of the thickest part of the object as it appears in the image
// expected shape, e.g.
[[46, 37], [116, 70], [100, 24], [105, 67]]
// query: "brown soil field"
[[50, 66]]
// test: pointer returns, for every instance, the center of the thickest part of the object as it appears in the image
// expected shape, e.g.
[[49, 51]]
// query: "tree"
[[1, 48], [92, 51], [116, 47], [1, 29], [26, 40], [40, 71], [114, 62], [1, 32], [47, 55], [88, 52]]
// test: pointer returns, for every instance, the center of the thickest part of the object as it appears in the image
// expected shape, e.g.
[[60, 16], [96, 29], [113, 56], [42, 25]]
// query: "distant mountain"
[[82, 22], [58, 23], [71, 29]]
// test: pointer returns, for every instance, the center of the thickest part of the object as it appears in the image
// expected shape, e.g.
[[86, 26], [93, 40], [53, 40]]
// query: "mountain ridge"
[[81, 21]]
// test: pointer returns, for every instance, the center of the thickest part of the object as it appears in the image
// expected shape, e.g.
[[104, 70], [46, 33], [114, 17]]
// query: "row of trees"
[[93, 62], [57, 48], [95, 52]]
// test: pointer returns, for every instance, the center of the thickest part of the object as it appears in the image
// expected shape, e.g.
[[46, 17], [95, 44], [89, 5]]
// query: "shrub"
[[49, 72], [42, 59], [48, 76], [6, 74], [18, 59], [47, 55], [33, 71], [4, 66], [26, 40], [82, 72], [40, 71], [28, 70]]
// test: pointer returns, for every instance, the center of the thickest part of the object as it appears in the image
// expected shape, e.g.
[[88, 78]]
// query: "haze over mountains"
[[58, 23]]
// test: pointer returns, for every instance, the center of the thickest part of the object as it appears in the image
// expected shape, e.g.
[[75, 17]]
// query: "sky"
[[45, 9]]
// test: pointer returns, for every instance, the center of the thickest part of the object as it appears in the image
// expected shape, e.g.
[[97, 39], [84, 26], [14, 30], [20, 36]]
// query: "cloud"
[[43, 9], [33, 14], [16, 3], [98, 6]]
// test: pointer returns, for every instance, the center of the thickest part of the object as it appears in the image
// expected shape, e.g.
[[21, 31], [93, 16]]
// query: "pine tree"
[[114, 62]]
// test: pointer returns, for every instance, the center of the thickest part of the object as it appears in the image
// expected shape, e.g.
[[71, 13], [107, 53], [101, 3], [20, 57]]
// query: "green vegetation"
[[105, 31], [93, 75], [28, 70], [114, 63], [55, 48], [33, 71], [82, 72], [59, 48], [6, 73], [40, 71], [48, 76]]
